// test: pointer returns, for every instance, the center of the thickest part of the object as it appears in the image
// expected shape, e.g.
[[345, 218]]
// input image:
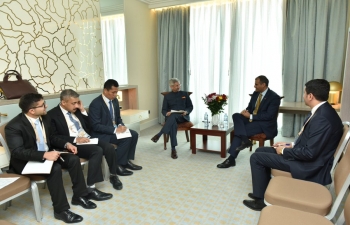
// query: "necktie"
[[76, 123], [38, 128], [257, 105], [111, 109], [307, 119]]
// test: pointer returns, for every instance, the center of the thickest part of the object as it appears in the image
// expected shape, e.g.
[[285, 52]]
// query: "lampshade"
[[335, 86]]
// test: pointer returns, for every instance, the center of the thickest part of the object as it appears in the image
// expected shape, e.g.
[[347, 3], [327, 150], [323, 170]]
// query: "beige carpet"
[[188, 190]]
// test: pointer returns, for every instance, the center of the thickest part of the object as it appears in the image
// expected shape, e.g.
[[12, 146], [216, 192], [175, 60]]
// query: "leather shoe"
[[98, 195], [173, 154], [117, 184], [256, 205], [244, 145], [132, 166], [155, 138], [68, 217], [84, 202], [121, 171], [227, 164], [250, 195]]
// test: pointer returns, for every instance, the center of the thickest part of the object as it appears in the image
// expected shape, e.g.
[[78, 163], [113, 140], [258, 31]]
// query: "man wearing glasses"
[[30, 138], [70, 121], [179, 101]]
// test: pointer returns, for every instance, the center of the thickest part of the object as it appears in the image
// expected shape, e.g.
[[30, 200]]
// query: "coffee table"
[[208, 145]]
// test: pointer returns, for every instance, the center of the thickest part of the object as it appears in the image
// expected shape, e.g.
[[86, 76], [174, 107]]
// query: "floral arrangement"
[[215, 102]]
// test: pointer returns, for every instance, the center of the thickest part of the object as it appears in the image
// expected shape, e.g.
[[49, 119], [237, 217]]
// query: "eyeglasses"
[[40, 106]]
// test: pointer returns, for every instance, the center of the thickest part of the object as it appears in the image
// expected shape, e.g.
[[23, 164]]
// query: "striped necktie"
[[257, 105]]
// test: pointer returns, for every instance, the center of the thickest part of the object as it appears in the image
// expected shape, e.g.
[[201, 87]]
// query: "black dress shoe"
[[256, 205], [244, 145], [155, 138], [121, 171], [132, 166], [98, 195], [83, 202], [227, 163], [68, 217], [117, 184], [173, 154], [250, 195]]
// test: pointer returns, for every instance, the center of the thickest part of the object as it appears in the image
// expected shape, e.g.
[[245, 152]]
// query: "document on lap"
[[125, 134], [33, 167], [93, 141], [7, 181], [177, 111]]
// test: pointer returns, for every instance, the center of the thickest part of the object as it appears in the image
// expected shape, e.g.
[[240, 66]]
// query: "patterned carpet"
[[188, 190]]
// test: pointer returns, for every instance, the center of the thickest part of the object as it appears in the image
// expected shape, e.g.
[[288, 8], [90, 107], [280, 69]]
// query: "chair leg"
[[165, 140], [261, 143], [186, 132], [272, 141], [36, 201]]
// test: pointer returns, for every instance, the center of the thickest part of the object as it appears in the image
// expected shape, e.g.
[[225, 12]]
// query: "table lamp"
[[120, 96], [334, 92]]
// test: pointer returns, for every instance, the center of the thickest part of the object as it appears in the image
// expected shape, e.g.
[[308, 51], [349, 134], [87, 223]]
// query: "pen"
[[61, 158]]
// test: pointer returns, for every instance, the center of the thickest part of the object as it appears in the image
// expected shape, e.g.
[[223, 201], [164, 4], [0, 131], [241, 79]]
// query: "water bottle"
[[225, 120], [206, 119]]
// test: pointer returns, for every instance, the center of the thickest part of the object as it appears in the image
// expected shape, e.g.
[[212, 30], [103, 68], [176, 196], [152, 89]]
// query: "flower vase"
[[215, 120]]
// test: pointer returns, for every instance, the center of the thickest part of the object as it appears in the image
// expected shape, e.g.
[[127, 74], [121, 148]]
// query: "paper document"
[[6, 181], [177, 111], [125, 134], [93, 141], [33, 167]]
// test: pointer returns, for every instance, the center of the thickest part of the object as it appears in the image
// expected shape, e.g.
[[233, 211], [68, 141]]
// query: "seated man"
[[259, 117], [29, 137], [175, 100], [105, 122], [310, 157], [70, 121]]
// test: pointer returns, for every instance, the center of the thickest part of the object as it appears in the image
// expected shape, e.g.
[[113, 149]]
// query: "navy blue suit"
[[175, 101], [102, 127], [93, 153], [264, 122], [310, 159]]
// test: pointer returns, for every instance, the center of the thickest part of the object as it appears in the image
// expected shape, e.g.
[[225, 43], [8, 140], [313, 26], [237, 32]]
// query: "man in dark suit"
[[29, 137], [106, 122], [70, 121], [310, 157], [259, 117], [179, 101]]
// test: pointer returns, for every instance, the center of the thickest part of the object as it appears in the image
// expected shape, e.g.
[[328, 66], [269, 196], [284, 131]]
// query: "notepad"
[[93, 141], [125, 134], [177, 111], [33, 167], [4, 181]]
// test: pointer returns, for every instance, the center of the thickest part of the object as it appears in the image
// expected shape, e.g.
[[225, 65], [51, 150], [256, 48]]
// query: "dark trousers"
[[55, 183], [261, 162], [94, 154], [126, 147], [242, 127], [170, 126]]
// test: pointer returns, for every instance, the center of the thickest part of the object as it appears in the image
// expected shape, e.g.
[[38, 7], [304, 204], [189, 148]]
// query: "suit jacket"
[[59, 123], [267, 113], [177, 101], [100, 119], [20, 138], [311, 158]]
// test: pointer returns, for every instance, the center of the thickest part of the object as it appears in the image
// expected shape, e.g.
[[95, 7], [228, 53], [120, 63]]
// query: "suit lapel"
[[61, 118], [265, 98], [28, 126], [104, 106]]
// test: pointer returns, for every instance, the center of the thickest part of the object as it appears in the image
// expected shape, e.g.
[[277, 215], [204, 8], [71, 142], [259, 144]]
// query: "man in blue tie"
[[105, 121], [70, 121], [30, 138]]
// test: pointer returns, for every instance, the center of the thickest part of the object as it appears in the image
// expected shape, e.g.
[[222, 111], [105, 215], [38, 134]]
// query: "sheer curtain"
[[210, 30], [114, 48], [256, 48], [233, 42]]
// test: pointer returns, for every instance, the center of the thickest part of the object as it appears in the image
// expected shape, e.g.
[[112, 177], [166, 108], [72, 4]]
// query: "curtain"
[[210, 30], [173, 49], [314, 46], [114, 48], [256, 48]]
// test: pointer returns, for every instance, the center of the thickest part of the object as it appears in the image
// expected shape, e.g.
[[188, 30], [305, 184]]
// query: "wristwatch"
[[251, 118]]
